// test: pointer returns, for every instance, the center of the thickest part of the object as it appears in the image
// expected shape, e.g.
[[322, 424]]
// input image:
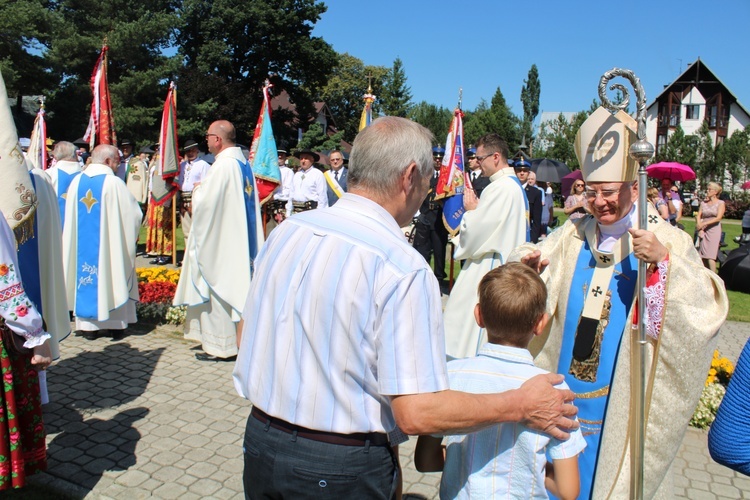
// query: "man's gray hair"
[[64, 151], [382, 151], [104, 151]]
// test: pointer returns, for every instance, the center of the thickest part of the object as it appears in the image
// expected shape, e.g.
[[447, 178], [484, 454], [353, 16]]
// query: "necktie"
[[336, 175], [473, 176]]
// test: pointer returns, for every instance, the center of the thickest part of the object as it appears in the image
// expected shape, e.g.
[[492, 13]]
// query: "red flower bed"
[[156, 292]]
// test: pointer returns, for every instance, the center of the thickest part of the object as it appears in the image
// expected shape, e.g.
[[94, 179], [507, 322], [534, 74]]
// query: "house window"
[[692, 112], [712, 112], [661, 141]]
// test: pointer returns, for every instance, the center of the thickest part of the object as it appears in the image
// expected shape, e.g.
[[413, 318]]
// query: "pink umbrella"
[[746, 185], [670, 170], [567, 182]]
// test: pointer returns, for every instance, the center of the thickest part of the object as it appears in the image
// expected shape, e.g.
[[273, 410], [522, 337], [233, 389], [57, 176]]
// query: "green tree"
[[707, 167], [230, 47], [346, 86], [530, 91], [436, 119], [396, 98], [734, 153], [476, 123], [559, 136], [137, 33], [315, 139], [502, 121], [25, 27], [680, 148]]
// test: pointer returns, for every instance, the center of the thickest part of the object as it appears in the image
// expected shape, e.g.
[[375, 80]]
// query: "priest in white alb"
[[225, 237], [490, 229], [62, 173], [102, 221]]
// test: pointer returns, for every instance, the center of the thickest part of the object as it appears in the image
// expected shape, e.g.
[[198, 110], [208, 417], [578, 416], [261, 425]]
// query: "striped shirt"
[[507, 460], [342, 313]]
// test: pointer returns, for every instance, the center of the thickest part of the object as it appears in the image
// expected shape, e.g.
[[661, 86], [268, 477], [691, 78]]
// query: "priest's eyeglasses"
[[606, 194]]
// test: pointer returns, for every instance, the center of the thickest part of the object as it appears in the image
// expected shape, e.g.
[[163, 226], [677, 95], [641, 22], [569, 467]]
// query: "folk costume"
[[225, 238], [487, 236], [61, 175], [591, 283], [192, 172], [22, 437], [158, 219], [138, 179], [102, 221]]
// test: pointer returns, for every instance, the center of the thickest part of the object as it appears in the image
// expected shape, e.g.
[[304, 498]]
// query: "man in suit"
[[478, 181], [522, 168], [336, 177], [431, 236]]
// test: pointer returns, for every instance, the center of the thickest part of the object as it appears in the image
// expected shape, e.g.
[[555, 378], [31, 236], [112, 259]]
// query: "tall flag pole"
[[452, 180], [263, 155], [37, 153], [164, 182], [101, 129], [369, 98]]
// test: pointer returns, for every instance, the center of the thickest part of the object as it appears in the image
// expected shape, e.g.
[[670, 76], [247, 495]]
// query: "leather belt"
[[356, 439]]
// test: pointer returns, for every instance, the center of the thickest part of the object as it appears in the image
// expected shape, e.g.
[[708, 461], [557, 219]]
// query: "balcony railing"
[[668, 121]]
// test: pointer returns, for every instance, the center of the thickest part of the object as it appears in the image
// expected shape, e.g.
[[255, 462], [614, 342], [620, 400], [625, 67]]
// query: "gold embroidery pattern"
[[604, 391], [586, 370]]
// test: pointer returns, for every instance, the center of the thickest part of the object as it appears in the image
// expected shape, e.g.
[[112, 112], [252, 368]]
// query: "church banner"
[[451, 181], [263, 156], [101, 129]]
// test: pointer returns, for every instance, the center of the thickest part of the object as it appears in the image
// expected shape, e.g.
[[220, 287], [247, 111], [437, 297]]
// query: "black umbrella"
[[735, 270], [547, 170]]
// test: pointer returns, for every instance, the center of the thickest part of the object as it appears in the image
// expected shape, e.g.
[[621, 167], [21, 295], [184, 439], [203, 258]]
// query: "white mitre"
[[603, 146]]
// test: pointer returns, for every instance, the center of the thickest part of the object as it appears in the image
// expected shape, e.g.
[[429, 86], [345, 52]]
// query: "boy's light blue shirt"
[[504, 460]]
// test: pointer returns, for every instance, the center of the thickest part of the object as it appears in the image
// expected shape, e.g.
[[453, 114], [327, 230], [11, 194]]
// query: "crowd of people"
[[336, 323]]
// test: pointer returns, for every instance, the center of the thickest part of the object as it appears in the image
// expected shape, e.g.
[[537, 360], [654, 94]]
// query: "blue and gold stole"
[[89, 199], [601, 295], [63, 183], [248, 183]]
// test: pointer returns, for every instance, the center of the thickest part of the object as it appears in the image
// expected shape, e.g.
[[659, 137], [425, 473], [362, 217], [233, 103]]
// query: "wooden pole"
[[174, 229]]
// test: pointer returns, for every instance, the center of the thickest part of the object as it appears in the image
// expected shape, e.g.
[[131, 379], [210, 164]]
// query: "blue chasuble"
[[88, 197], [28, 263], [591, 397], [248, 183], [63, 183]]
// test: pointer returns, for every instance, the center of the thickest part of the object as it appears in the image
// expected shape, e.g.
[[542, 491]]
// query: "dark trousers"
[[279, 465], [431, 241]]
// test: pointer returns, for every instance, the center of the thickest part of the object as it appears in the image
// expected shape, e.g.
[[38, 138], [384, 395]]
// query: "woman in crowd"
[[657, 202], [708, 225], [575, 204], [24, 349]]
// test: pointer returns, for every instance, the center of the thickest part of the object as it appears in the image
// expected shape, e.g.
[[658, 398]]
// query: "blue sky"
[[482, 44]]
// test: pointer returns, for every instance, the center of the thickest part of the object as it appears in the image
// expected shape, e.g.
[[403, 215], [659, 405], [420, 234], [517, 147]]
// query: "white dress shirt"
[[192, 172], [310, 185], [342, 313]]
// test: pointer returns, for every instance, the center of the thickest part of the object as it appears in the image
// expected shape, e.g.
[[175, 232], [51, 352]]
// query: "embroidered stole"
[[28, 262], [63, 182], [600, 298], [333, 184], [248, 183], [89, 199]]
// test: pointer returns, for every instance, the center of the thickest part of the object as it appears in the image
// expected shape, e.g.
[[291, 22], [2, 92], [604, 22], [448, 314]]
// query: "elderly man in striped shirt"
[[342, 339]]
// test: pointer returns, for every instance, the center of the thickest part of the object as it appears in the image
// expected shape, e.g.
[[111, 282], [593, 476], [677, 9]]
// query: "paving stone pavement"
[[141, 417]]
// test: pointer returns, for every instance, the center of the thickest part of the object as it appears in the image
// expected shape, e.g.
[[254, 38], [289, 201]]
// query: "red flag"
[[164, 184], [101, 129], [263, 156]]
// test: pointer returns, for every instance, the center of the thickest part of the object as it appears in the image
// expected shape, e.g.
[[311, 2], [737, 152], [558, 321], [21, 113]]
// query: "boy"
[[505, 460]]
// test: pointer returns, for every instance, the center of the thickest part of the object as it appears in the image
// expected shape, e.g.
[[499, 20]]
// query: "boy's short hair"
[[512, 299]]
